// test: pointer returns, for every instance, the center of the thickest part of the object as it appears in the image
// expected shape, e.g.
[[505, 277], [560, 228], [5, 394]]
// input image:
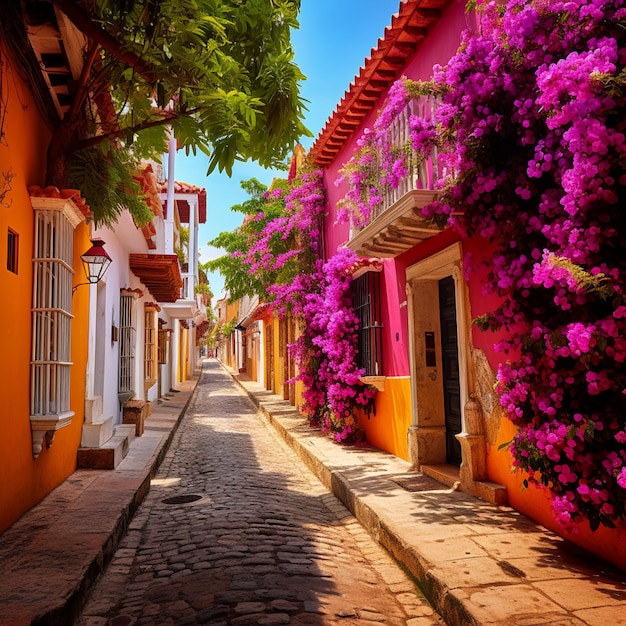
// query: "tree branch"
[[89, 28], [166, 119]]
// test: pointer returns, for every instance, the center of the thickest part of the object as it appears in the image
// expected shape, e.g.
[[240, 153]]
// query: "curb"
[[68, 613], [450, 607], [50, 566]]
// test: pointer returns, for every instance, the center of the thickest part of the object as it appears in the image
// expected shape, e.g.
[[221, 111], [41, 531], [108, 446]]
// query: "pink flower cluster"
[[327, 353], [377, 165], [532, 125], [318, 295]]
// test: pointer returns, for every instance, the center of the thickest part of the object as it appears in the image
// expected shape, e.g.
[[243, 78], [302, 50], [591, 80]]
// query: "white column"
[[192, 253], [169, 222], [91, 342]]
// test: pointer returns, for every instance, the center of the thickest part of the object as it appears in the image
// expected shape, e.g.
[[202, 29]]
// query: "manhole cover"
[[191, 497]]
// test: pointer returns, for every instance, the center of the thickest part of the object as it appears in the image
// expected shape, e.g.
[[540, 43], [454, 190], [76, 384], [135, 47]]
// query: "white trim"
[[70, 211], [51, 327], [437, 265], [446, 262]]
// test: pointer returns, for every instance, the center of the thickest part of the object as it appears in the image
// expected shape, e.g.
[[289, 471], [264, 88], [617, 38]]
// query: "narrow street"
[[236, 530]]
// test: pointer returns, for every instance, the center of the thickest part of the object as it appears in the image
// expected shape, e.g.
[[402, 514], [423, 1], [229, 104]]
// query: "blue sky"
[[334, 39]]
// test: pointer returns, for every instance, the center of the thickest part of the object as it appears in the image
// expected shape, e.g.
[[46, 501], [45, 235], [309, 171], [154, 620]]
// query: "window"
[[366, 303], [50, 363], [164, 337], [12, 249], [151, 346], [126, 384]]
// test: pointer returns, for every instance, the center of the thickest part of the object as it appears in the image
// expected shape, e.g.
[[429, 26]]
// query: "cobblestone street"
[[235, 530]]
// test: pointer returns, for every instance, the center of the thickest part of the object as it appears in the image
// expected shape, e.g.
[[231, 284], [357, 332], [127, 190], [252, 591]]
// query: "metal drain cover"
[[190, 497]]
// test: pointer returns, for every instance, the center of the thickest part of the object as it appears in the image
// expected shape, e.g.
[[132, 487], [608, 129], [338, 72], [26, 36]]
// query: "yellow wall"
[[388, 429], [24, 481], [232, 312], [279, 360], [183, 355]]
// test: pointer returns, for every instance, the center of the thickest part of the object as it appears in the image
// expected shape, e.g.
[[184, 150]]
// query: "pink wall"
[[440, 45]]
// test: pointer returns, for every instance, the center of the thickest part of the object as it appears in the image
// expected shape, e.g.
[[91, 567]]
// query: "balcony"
[[397, 224]]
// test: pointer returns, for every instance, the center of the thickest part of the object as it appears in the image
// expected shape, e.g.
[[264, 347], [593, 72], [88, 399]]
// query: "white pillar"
[[169, 221]]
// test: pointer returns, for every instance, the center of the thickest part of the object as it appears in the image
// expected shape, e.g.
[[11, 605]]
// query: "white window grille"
[[423, 172], [151, 346], [127, 345], [52, 314], [50, 362]]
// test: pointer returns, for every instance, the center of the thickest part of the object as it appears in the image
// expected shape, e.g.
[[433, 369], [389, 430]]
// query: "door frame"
[[427, 431]]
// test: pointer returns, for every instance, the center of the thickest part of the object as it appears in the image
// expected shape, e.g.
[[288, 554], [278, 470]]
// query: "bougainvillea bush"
[[318, 296], [326, 353], [535, 110], [279, 249], [531, 130]]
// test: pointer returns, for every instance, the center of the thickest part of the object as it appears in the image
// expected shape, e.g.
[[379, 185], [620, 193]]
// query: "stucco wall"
[[24, 481]]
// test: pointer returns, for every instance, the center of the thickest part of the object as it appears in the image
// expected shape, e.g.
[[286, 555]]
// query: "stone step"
[[109, 455], [97, 433]]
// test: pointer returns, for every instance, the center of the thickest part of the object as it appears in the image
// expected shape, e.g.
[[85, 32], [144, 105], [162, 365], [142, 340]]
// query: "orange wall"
[[388, 429], [25, 480], [535, 503]]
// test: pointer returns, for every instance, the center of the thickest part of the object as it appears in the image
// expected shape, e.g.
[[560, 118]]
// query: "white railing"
[[189, 283], [422, 173]]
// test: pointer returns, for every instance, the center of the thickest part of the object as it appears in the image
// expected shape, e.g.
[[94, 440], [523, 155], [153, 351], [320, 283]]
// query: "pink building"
[[434, 369]]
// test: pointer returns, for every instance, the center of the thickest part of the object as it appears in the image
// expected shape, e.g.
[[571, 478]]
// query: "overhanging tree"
[[259, 210], [219, 73]]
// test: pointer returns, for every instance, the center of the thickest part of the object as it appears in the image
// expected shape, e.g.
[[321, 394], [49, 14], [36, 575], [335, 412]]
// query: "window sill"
[[44, 426], [374, 381]]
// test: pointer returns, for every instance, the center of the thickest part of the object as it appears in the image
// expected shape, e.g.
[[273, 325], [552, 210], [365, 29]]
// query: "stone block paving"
[[236, 530]]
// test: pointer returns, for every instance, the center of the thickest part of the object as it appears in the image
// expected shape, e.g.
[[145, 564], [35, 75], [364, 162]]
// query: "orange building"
[[43, 324]]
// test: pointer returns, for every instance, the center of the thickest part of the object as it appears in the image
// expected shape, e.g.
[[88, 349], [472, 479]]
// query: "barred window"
[[50, 361], [51, 313], [366, 304], [150, 345], [127, 345], [164, 337]]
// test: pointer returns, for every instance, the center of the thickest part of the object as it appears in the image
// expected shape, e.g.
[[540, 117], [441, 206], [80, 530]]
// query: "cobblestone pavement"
[[236, 530]]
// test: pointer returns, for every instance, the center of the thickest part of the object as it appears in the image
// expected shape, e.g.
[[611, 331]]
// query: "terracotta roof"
[[160, 273], [35, 191], [408, 29], [183, 205]]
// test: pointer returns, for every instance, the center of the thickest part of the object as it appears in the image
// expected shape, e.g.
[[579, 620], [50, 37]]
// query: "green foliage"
[[181, 250], [258, 210], [222, 76], [105, 178], [203, 288], [228, 328]]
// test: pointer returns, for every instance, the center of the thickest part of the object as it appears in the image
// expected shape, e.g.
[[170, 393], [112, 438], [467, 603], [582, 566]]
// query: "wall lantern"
[[96, 262]]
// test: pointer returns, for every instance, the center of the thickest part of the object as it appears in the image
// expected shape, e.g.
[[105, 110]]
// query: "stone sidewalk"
[[51, 556], [476, 563]]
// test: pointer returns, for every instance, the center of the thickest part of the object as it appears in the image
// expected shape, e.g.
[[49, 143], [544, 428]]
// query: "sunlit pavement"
[[51, 556], [478, 564], [236, 530]]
